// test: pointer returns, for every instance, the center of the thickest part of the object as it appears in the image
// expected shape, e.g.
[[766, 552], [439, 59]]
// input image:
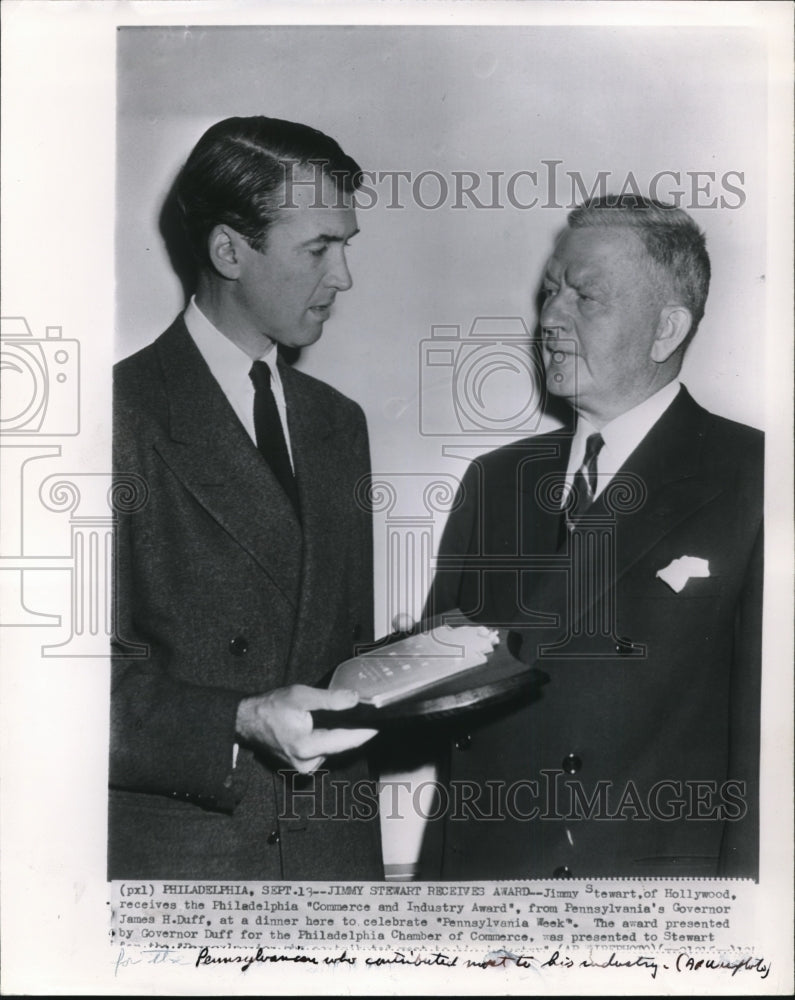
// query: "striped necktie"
[[583, 487]]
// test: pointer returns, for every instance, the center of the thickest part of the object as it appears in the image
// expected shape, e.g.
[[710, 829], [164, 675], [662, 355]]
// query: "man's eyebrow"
[[551, 265], [329, 238], [588, 275]]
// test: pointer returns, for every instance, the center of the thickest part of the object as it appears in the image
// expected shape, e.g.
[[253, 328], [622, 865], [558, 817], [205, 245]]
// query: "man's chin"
[[302, 338], [559, 385]]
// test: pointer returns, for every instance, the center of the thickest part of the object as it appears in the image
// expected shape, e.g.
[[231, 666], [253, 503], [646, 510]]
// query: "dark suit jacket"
[[231, 596], [637, 711]]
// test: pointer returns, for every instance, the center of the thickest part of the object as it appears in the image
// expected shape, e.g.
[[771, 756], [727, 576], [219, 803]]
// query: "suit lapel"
[[315, 445], [669, 465], [210, 452], [540, 481]]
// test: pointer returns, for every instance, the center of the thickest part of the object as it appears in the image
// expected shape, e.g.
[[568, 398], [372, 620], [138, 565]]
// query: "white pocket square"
[[677, 573]]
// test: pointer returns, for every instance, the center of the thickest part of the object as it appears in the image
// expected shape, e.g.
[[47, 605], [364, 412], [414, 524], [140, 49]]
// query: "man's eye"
[[319, 251], [548, 290]]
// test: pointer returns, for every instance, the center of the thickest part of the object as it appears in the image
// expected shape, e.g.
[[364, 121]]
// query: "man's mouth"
[[557, 355], [321, 311], [557, 346]]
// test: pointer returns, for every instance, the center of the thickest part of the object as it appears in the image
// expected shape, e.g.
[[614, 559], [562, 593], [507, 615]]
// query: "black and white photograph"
[[397, 520]]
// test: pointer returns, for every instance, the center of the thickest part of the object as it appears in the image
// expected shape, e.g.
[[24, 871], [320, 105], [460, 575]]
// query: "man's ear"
[[673, 327], [223, 249]]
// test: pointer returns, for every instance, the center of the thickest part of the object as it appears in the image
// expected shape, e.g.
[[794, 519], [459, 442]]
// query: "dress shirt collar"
[[621, 436], [229, 365]]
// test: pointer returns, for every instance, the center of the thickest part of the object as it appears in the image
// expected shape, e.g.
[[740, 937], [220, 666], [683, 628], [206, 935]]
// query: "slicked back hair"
[[237, 174]]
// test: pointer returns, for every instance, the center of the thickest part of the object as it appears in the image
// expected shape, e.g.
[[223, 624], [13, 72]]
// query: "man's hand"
[[280, 721]]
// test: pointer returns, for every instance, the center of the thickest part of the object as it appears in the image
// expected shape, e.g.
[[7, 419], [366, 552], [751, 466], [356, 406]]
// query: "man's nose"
[[338, 275], [553, 315]]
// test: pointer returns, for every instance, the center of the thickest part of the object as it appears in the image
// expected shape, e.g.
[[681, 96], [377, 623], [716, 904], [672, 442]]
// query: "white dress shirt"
[[230, 368], [621, 436]]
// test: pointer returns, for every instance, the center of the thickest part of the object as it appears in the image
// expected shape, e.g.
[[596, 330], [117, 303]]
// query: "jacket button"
[[273, 837], [571, 764], [562, 872], [623, 645], [238, 646], [463, 742]]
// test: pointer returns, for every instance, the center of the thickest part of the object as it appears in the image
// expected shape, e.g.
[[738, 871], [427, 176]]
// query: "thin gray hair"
[[672, 240]]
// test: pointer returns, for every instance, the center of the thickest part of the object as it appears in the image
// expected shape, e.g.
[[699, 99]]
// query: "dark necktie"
[[269, 431], [586, 481], [583, 486]]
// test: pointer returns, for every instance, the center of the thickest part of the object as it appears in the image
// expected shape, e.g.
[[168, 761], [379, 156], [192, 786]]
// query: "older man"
[[626, 553], [247, 574]]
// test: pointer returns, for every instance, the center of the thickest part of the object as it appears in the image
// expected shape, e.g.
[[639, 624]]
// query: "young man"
[[247, 574]]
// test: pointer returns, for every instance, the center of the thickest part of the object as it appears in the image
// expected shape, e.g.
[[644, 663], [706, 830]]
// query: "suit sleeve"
[[448, 591], [167, 736], [740, 846], [455, 579]]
